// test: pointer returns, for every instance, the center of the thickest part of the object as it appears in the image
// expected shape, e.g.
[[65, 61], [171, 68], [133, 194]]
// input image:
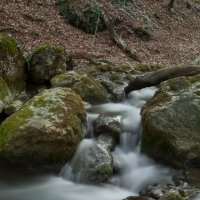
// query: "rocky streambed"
[[62, 137]]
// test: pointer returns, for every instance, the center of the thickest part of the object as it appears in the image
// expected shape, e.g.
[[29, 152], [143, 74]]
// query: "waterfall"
[[136, 169]]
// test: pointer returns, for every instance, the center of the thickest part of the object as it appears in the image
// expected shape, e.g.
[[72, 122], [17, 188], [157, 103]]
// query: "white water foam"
[[136, 170]]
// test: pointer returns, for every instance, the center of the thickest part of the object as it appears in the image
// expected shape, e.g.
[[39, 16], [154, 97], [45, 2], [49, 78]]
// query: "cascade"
[[136, 169]]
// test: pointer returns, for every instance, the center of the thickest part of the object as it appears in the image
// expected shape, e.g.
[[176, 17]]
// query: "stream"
[[136, 169]]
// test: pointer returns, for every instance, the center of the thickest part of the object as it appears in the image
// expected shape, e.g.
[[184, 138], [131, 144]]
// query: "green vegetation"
[[8, 46], [89, 19], [105, 169]]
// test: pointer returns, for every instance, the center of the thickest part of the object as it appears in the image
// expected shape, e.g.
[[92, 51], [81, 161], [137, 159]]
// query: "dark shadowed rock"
[[45, 62]]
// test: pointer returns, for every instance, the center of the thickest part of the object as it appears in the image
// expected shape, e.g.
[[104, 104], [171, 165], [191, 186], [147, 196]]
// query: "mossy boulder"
[[11, 64], [88, 88], [5, 94], [92, 163], [67, 79], [88, 18], [45, 132], [172, 196], [171, 122], [45, 62]]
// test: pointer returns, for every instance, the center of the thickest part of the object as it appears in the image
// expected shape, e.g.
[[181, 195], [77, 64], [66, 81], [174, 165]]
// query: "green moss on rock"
[[105, 169], [11, 64], [90, 90], [172, 196], [45, 131], [67, 79], [89, 19]]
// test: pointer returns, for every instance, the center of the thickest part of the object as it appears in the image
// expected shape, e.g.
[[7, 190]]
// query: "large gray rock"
[[45, 132], [171, 122], [108, 125], [93, 163]]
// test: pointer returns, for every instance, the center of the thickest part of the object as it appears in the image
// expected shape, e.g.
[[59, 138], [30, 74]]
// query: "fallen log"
[[155, 78]]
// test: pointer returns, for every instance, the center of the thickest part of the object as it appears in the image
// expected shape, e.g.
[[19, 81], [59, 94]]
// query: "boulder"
[[89, 89], [45, 62], [45, 132], [172, 196], [92, 163], [67, 79], [108, 125], [11, 64], [171, 122]]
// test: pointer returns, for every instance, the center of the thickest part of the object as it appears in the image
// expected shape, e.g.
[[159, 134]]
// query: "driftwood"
[[120, 43], [159, 76]]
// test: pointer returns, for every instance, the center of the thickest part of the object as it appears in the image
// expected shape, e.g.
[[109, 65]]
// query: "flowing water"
[[137, 170]]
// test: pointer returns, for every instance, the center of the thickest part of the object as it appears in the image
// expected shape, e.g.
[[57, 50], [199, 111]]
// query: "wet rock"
[[92, 163], [45, 132], [194, 196], [13, 107], [172, 196], [45, 62], [107, 141], [108, 125], [11, 64], [155, 191], [171, 122], [189, 192], [89, 89]]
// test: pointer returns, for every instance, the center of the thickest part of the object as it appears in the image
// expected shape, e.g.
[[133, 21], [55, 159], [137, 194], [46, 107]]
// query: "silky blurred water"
[[136, 170]]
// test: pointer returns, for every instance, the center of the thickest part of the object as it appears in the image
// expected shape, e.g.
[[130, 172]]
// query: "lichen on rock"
[[44, 133]]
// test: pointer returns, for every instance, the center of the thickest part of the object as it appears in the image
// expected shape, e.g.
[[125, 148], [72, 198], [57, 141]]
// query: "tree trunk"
[[155, 78]]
